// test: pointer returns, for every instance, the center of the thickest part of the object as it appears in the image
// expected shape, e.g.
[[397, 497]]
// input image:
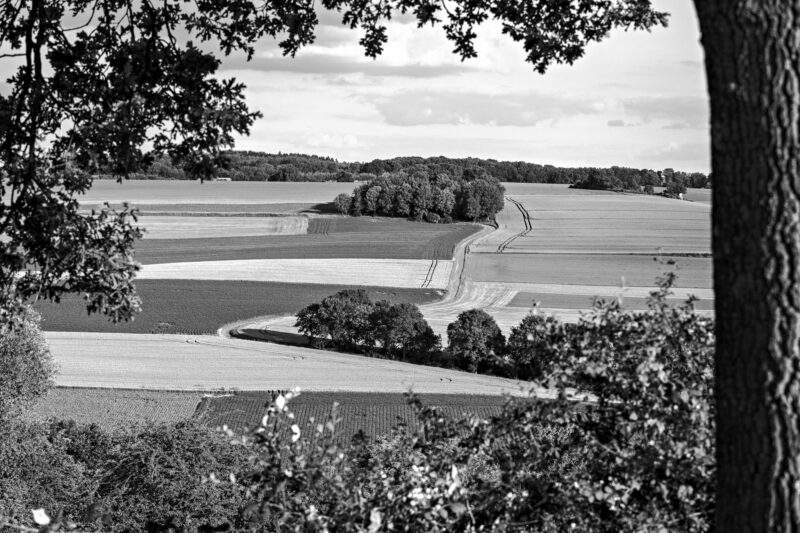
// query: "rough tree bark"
[[753, 66]]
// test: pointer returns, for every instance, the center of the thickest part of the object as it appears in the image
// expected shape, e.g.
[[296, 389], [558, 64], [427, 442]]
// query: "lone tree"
[[117, 87]]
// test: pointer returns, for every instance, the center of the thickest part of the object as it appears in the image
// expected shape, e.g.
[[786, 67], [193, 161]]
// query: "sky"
[[636, 99]]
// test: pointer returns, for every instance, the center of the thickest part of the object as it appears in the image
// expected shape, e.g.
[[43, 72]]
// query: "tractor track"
[[431, 271], [526, 220]]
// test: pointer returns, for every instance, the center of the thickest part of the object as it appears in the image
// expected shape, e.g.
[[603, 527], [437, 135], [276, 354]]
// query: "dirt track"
[[184, 362]]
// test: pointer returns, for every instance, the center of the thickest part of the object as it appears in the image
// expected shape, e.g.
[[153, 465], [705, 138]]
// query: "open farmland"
[[238, 210], [327, 237], [201, 307], [373, 413], [178, 227], [145, 192], [404, 273], [594, 269], [543, 220], [186, 362]]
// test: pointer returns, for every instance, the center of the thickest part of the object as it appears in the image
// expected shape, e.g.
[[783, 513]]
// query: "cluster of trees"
[[424, 196], [634, 454], [350, 321]]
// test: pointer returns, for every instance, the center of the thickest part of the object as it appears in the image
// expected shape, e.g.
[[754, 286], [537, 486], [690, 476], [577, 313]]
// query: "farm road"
[[185, 362]]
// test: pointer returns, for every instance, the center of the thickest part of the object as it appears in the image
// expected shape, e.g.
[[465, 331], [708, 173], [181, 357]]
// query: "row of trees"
[[423, 196], [637, 454], [620, 179], [261, 166], [535, 349]]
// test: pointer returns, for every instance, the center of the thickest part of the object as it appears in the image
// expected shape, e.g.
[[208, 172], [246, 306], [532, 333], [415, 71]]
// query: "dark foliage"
[[26, 366], [350, 321], [475, 341], [424, 196], [160, 478]]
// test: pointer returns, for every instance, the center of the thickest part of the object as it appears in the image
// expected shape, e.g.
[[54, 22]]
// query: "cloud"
[[337, 141], [413, 108], [680, 112], [679, 152], [316, 63], [615, 123]]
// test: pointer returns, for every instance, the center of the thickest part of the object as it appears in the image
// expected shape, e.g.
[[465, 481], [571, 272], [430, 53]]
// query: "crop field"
[[405, 273], [115, 408], [230, 209], [146, 192], [373, 413], [594, 269], [555, 245], [206, 362], [582, 301], [201, 307], [334, 237], [568, 222], [177, 227]]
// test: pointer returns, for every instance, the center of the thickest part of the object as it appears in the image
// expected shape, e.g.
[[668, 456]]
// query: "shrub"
[[343, 203], [26, 366], [475, 341], [154, 479]]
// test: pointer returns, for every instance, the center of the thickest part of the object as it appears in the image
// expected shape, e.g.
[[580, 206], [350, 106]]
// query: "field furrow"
[[177, 227]]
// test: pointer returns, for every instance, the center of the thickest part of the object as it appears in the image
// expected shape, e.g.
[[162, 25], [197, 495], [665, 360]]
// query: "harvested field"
[[175, 227], [373, 413], [222, 209], [592, 269], [334, 237], [179, 362], [146, 192], [115, 408], [405, 273], [575, 301], [599, 223], [201, 307]]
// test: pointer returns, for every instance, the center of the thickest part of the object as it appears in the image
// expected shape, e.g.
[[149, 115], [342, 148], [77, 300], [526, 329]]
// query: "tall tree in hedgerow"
[[534, 346], [475, 341], [117, 88]]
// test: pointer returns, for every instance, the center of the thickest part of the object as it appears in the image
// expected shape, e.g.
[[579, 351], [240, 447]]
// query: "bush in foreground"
[[26, 366]]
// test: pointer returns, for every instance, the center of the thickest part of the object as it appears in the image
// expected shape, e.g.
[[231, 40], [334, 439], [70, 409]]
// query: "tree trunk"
[[753, 66]]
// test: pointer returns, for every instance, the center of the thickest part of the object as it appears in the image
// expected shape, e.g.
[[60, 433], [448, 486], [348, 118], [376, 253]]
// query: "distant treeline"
[[259, 166], [422, 196]]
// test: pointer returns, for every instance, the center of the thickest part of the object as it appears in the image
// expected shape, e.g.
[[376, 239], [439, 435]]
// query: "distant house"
[[222, 179]]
